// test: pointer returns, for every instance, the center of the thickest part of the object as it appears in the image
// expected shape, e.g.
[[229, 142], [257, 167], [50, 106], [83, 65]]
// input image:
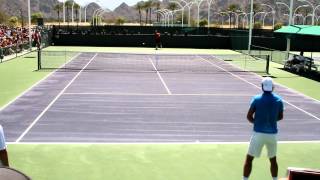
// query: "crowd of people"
[[13, 40]]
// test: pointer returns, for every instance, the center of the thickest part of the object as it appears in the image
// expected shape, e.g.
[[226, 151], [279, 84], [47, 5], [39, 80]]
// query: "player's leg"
[[274, 167], [247, 166], [272, 154], [255, 148]]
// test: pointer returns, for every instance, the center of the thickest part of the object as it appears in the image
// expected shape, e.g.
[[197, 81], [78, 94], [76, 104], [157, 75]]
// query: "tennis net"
[[151, 62]]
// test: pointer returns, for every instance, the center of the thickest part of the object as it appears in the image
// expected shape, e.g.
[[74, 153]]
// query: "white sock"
[[245, 178], [274, 178]]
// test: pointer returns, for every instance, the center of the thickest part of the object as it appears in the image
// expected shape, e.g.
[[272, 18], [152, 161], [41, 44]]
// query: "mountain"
[[15, 7], [129, 13]]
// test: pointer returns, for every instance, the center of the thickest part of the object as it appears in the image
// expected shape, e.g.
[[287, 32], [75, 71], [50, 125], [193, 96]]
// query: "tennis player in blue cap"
[[265, 111]]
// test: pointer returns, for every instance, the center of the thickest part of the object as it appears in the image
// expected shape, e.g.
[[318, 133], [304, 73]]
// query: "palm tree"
[[157, 5], [58, 8], [172, 7], [146, 7], [68, 6], [77, 7], [232, 8], [150, 10], [139, 7]]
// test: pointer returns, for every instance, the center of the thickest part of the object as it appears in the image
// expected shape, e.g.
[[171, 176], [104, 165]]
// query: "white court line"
[[54, 100], [146, 94], [238, 77], [152, 143], [163, 82], [36, 84]]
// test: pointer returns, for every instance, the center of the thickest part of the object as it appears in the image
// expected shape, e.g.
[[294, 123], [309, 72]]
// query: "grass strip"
[[151, 161]]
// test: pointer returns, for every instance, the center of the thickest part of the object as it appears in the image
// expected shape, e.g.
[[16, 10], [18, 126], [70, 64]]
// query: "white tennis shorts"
[[258, 140]]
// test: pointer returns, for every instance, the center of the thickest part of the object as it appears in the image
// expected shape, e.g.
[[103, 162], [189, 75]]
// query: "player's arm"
[[280, 116], [250, 115]]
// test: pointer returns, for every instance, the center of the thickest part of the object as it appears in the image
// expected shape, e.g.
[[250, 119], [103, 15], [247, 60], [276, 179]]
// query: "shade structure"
[[300, 30]]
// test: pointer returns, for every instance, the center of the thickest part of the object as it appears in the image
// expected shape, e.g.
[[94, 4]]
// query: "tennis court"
[[139, 98]]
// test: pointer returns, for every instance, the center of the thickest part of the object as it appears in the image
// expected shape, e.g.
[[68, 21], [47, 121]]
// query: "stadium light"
[[64, 11], [273, 12], [100, 13], [244, 19], [163, 16], [72, 18], [313, 9], [236, 15], [169, 13], [284, 4], [80, 13], [182, 10], [222, 13], [166, 17], [209, 2], [189, 12], [298, 15], [220, 16], [250, 26], [85, 12], [94, 15], [198, 4]]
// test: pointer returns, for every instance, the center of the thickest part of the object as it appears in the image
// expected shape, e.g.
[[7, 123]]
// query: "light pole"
[[244, 19], [198, 4], [169, 13], [236, 16], [222, 13], [97, 15], [313, 9], [305, 18], [29, 19], [64, 11], [94, 16], [284, 4], [72, 19], [298, 15], [182, 10], [163, 16], [189, 13], [318, 19], [258, 13], [209, 2], [85, 13], [273, 14], [80, 13], [295, 11], [166, 17]]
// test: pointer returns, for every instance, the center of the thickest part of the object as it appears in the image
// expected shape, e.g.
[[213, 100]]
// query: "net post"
[[268, 64], [39, 59]]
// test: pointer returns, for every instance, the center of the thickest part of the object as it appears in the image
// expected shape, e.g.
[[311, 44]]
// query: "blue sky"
[[110, 4]]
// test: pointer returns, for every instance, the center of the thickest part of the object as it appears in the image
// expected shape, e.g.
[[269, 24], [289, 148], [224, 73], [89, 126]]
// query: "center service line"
[[163, 82], [53, 101], [242, 79]]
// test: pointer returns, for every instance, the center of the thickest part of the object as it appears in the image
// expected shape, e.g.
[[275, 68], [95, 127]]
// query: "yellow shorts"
[[258, 140]]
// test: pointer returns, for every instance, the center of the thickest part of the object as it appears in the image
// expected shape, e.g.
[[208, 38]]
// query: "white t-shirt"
[[2, 140]]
